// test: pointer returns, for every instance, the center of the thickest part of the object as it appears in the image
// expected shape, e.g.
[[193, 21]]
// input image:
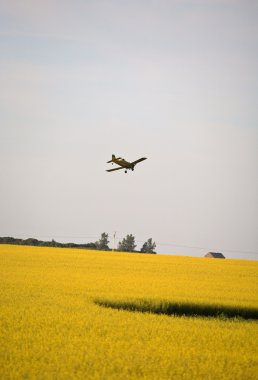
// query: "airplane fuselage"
[[121, 162]]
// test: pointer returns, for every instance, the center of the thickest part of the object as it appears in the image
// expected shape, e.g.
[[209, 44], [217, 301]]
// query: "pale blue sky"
[[175, 81]]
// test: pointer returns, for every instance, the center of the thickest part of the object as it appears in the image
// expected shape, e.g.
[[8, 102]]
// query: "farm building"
[[215, 255]]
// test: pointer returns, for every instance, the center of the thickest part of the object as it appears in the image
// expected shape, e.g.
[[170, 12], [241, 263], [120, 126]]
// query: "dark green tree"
[[127, 244], [31, 241], [148, 246], [102, 243]]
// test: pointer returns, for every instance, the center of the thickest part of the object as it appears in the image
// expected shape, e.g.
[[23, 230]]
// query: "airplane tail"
[[113, 157]]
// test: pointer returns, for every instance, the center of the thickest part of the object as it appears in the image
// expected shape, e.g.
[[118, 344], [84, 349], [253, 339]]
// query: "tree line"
[[126, 245]]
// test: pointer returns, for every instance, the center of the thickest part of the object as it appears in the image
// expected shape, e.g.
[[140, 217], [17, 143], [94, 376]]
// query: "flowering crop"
[[55, 323]]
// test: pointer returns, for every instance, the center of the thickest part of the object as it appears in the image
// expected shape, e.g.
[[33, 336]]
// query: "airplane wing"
[[140, 160], [112, 170]]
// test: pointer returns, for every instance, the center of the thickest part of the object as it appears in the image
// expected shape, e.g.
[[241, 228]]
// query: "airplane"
[[123, 163]]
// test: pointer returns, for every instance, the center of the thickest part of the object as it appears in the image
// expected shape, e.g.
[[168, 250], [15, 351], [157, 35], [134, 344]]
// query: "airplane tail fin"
[[113, 157]]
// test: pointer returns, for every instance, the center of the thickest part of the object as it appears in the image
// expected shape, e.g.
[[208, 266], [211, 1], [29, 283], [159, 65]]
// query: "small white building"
[[215, 255]]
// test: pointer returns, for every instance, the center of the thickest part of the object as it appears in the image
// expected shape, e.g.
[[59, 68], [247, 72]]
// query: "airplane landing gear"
[[125, 171]]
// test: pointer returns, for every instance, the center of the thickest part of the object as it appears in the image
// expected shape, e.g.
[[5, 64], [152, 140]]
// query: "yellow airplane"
[[123, 163]]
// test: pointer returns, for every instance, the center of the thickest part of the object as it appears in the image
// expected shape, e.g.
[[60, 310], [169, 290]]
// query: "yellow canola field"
[[52, 328]]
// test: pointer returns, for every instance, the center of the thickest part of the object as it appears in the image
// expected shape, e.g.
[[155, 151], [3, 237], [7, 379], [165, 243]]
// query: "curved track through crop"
[[179, 309]]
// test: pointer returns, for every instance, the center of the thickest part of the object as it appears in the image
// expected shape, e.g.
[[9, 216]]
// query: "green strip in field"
[[180, 309]]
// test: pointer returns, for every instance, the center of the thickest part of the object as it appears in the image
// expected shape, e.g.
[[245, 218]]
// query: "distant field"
[[77, 314]]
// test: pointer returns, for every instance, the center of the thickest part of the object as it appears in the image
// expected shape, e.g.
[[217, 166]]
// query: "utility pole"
[[114, 241]]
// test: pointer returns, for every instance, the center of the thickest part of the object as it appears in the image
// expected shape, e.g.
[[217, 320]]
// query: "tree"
[[31, 241], [148, 246], [102, 243], [127, 244]]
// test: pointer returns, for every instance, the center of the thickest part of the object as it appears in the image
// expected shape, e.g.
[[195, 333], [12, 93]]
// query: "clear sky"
[[174, 81]]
